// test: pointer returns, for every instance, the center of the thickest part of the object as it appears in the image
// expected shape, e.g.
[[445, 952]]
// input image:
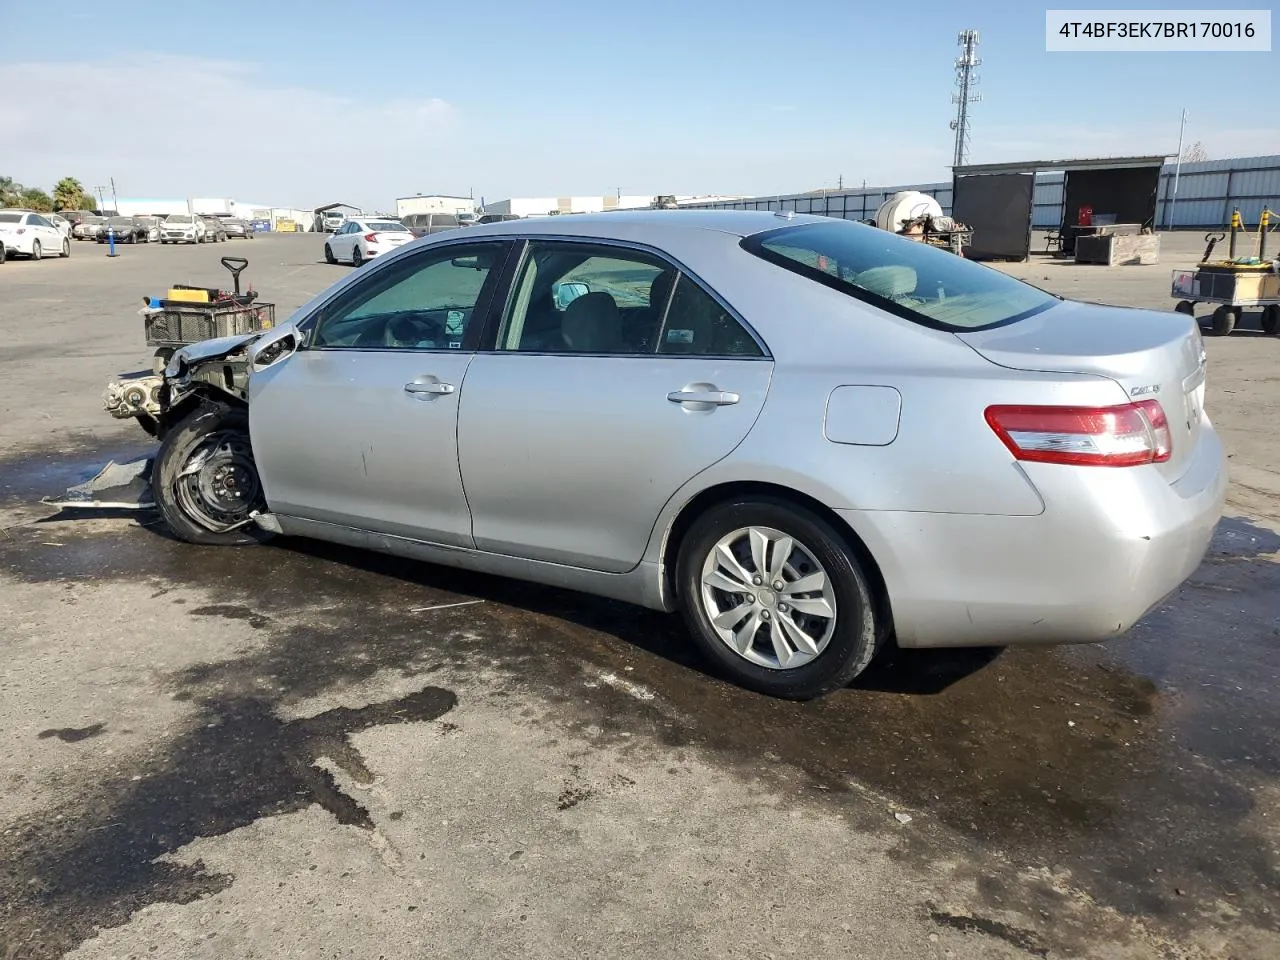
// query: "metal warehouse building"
[[433, 203], [1207, 192]]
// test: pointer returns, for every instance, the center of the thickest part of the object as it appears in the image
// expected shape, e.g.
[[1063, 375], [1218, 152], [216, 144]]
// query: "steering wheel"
[[408, 331]]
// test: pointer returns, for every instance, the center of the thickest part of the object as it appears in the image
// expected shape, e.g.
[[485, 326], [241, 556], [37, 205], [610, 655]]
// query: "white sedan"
[[359, 240], [32, 235]]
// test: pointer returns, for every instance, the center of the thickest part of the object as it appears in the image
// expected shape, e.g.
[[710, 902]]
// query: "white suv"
[[182, 228]]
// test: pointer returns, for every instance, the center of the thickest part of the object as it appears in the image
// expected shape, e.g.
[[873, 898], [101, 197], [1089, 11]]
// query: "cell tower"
[[966, 80]]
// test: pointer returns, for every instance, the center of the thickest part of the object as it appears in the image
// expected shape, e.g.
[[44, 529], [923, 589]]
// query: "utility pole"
[[840, 182], [966, 80], [114, 199], [1177, 170], [102, 204]]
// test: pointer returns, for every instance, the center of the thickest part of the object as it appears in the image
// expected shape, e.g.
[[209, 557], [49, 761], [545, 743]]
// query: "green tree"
[[68, 194], [10, 192], [33, 198]]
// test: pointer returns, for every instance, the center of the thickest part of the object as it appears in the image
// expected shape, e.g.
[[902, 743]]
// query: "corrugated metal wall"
[[1207, 193]]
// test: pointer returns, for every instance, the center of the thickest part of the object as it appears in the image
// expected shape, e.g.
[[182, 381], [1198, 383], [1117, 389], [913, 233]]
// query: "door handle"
[[434, 387], [718, 398]]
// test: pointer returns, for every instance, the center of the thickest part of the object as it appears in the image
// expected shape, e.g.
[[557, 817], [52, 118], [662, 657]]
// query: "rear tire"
[[827, 632], [204, 479], [1224, 320], [1271, 319]]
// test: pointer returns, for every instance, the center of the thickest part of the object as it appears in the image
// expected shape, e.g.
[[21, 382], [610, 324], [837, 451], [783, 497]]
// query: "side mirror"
[[565, 293], [273, 346]]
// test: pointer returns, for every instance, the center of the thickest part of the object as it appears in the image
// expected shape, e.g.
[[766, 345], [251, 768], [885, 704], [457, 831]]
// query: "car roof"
[[15, 210], [629, 224]]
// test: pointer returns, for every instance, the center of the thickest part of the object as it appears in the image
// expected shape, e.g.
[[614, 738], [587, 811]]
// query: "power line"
[[966, 80]]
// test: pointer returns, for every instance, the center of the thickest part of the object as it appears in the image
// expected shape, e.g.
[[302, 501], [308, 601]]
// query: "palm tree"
[[68, 194], [33, 198]]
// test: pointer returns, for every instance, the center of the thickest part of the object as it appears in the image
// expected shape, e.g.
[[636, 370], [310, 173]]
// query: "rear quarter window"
[[907, 278]]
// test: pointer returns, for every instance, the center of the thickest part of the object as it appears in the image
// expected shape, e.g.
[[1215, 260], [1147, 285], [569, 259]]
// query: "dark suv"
[[422, 224]]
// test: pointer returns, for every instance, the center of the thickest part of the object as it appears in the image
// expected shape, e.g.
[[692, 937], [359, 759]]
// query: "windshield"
[[905, 277], [120, 222], [94, 219], [444, 220], [178, 218], [11, 217]]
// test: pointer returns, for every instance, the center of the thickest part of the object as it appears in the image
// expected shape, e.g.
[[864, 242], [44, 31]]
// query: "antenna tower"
[[966, 80]]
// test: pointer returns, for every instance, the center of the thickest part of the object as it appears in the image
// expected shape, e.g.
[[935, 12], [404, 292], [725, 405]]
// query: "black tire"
[[66, 248], [328, 255], [357, 258], [36, 252], [1224, 320], [184, 502], [1270, 319], [855, 635], [3, 255], [1187, 307]]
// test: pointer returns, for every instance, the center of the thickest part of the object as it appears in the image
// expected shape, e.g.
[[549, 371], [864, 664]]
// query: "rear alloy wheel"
[[1224, 320], [36, 252], [205, 480], [66, 248], [776, 598], [1271, 318], [357, 258]]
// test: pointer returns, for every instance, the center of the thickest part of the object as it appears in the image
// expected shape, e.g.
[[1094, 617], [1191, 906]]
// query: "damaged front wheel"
[[204, 479]]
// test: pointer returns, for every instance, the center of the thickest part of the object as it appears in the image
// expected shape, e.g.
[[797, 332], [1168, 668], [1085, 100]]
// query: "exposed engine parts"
[[134, 395]]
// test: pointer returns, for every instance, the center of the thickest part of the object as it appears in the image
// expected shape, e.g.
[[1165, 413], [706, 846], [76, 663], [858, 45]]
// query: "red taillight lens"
[[1123, 436], [370, 238]]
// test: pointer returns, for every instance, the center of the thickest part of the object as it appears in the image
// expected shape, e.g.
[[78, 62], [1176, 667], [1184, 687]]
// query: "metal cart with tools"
[[1235, 284], [187, 315]]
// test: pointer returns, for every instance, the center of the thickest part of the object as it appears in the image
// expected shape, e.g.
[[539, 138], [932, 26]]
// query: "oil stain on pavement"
[[1134, 767]]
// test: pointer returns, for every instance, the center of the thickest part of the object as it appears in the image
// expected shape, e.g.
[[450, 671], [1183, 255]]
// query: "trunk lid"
[[1152, 355]]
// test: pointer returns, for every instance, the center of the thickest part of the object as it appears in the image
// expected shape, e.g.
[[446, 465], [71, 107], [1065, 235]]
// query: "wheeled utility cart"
[[1235, 284]]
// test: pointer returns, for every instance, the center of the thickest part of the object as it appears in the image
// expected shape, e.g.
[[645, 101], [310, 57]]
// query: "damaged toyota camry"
[[806, 435]]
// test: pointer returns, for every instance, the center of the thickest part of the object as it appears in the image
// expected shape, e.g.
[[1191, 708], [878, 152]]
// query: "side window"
[[697, 325], [420, 303], [38, 221], [586, 298]]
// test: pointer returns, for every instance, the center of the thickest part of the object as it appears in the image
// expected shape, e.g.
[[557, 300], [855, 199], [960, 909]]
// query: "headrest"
[[889, 282], [592, 324]]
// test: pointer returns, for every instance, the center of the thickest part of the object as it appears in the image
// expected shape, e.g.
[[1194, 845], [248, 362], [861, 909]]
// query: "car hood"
[[214, 349]]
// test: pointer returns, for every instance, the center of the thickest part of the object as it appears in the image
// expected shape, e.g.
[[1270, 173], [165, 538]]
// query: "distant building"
[[434, 203], [543, 206]]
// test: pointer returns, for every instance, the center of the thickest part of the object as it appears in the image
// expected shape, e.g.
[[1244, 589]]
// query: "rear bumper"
[[1110, 545]]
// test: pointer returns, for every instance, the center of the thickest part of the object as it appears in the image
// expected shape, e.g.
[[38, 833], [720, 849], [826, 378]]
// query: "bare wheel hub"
[[218, 485]]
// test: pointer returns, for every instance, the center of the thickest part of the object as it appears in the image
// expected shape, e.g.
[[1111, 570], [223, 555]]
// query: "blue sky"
[[293, 102]]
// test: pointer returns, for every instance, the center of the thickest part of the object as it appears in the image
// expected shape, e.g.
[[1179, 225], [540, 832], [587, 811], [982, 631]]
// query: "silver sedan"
[[806, 435]]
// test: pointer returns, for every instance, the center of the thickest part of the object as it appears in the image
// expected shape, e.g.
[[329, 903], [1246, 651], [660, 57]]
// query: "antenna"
[[966, 80]]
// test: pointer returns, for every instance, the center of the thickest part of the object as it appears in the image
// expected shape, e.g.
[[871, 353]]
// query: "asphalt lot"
[[302, 751]]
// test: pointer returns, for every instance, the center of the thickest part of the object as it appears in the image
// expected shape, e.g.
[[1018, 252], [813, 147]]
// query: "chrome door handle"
[[719, 398], [432, 388]]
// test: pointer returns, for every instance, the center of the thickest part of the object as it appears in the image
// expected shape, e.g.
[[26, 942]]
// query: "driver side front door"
[[358, 427]]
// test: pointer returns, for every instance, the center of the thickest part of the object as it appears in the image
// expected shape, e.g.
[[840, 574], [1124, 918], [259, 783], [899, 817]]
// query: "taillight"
[[1122, 436], [370, 238]]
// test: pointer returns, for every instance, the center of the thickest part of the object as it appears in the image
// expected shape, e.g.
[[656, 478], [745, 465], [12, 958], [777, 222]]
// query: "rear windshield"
[[11, 217], [386, 226], [905, 277]]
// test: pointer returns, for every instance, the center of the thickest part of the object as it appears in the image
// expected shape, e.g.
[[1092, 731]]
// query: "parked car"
[[182, 228], [359, 240], [424, 224], [123, 230], [237, 229], [215, 232], [498, 217], [31, 234], [467, 218], [64, 225], [88, 227], [805, 434], [152, 225]]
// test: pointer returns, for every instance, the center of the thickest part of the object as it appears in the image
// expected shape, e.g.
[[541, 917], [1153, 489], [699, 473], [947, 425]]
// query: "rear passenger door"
[[612, 378]]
